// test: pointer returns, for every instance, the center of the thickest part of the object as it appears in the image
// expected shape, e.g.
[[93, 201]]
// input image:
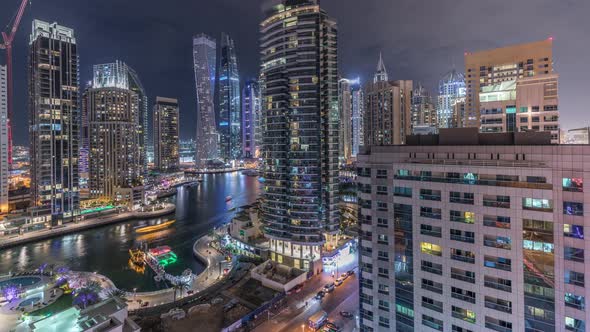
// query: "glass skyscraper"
[[300, 135], [204, 55], [4, 170], [451, 88], [54, 119], [229, 112]]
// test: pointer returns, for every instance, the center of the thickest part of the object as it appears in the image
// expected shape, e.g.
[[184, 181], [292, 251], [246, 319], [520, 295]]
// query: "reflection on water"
[[105, 249]]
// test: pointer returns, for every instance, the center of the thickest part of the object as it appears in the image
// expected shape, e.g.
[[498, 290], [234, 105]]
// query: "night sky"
[[420, 40]]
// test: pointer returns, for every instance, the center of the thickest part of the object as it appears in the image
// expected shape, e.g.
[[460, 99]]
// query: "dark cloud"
[[420, 40]]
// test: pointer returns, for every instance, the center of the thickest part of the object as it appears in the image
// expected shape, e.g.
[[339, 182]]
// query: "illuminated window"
[[573, 184], [431, 249]]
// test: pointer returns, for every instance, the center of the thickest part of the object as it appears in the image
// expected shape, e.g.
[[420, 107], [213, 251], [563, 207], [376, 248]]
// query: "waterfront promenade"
[[14, 240], [209, 276]]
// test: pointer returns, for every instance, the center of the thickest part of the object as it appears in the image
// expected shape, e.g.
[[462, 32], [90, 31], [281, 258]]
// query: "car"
[[320, 295], [346, 314], [295, 289], [332, 327], [145, 304], [190, 292], [338, 282], [351, 272], [344, 275], [329, 288]]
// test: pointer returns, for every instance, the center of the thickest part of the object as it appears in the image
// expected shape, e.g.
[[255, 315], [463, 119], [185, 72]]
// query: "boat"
[[137, 256], [153, 228], [250, 172], [200, 178], [228, 198]]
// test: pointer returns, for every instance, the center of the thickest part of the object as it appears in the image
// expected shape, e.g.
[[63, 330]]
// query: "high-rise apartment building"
[[450, 89], [387, 109], [358, 116], [423, 111], [468, 231], [166, 133], [112, 115], [113, 153], [229, 124], [4, 144], [513, 88], [251, 120], [54, 119], [300, 135], [350, 104], [204, 55]]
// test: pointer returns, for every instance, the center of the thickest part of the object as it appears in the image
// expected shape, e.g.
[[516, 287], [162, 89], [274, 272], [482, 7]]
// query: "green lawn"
[[63, 302]]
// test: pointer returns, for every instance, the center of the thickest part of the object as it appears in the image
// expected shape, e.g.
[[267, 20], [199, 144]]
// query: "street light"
[[303, 327]]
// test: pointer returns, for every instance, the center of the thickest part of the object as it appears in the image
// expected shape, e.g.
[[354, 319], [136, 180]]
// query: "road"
[[294, 317]]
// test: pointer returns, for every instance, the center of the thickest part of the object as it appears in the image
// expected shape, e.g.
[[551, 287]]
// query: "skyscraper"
[[358, 116], [300, 138], [112, 114], [450, 88], [4, 168], [54, 119], [229, 120], [387, 109], [251, 120], [513, 88], [423, 111], [117, 79], [347, 101], [471, 231], [166, 133], [204, 48]]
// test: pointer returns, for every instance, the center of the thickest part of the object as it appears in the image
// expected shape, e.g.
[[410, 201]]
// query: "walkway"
[[215, 264], [13, 240]]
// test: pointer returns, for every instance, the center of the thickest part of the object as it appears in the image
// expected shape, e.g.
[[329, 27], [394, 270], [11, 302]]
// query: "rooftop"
[[472, 136]]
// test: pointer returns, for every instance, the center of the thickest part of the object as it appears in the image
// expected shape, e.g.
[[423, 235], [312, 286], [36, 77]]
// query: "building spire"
[[381, 74]]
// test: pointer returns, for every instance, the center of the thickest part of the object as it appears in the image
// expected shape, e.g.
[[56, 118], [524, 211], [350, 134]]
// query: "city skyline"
[[403, 56]]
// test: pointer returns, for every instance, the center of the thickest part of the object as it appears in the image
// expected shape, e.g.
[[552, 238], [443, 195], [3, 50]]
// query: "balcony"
[[463, 297], [462, 258], [463, 277], [461, 200], [498, 307], [461, 238], [496, 204], [430, 197]]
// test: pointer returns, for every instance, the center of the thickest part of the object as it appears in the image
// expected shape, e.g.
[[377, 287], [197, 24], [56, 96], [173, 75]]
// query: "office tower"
[[112, 114], [204, 64], [494, 226], [166, 132], [251, 120], [229, 121], [4, 168], [54, 119], [387, 107], [346, 89], [513, 88], [423, 111], [300, 138], [186, 151], [450, 88]]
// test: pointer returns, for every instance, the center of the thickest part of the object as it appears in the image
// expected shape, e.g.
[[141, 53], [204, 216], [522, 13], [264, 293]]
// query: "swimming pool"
[[29, 301], [20, 281]]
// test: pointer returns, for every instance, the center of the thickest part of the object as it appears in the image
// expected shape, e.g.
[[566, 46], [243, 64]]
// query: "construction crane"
[[8, 37]]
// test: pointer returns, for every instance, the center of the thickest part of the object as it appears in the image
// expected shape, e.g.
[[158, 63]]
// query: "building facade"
[[450, 89], [466, 231], [423, 111], [166, 134], [204, 55], [493, 78], [54, 119], [358, 116], [251, 120], [387, 109], [112, 115], [4, 144], [300, 135], [229, 123]]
